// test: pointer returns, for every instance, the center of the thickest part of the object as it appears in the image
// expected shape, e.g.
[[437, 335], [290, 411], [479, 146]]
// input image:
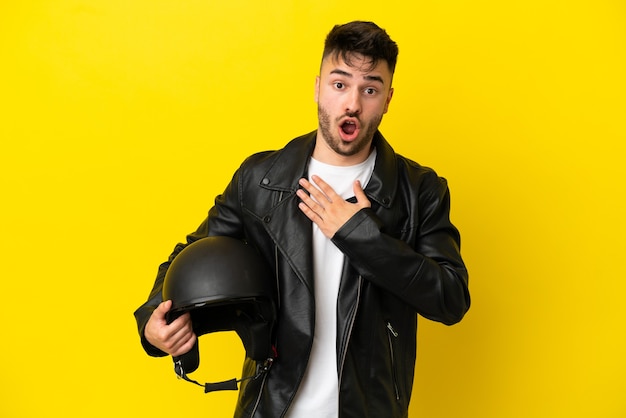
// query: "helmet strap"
[[261, 369]]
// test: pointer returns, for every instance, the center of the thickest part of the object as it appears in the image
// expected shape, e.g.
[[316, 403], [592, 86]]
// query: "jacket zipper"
[[392, 333], [258, 398], [352, 319], [277, 283]]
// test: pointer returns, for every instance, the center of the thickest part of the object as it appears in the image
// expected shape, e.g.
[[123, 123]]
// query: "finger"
[[309, 202], [360, 195], [184, 346], [310, 213], [328, 191], [182, 321], [181, 336], [315, 191], [177, 335]]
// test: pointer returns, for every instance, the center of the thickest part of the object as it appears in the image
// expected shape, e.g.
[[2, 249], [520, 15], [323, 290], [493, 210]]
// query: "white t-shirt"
[[318, 395]]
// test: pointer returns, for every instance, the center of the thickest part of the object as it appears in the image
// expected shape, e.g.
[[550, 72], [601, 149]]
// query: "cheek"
[[377, 108], [326, 101]]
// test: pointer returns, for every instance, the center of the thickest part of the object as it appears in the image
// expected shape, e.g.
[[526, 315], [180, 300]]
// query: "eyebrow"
[[367, 77]]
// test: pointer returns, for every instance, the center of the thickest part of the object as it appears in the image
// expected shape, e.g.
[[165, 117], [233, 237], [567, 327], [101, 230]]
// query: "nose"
[[353, 102]]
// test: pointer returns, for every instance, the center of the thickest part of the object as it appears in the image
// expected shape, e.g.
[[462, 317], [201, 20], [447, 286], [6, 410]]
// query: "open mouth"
[[348, 128]]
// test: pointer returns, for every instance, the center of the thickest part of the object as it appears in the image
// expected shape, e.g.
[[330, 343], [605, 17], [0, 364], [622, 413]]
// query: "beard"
[[338, 145]]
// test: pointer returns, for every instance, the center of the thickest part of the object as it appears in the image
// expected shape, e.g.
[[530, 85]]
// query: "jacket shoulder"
[[420, 174], [265, 159], [279, 169]]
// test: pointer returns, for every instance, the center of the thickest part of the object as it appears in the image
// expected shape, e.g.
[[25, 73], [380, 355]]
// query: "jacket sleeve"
[[429, 274], [223, 219]]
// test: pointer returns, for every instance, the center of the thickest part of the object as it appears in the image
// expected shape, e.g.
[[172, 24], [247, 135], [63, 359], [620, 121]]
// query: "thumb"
[[360, 195], [162, 309]]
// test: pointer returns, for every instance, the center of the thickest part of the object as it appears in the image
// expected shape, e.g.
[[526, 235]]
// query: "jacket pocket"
[[392, 337]]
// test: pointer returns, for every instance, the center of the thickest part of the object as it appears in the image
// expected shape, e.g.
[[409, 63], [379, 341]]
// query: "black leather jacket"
[[402, 259]]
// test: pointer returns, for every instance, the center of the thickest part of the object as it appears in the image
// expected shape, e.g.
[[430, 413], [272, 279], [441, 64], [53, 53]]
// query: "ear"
[[317, 88], [389, 96]]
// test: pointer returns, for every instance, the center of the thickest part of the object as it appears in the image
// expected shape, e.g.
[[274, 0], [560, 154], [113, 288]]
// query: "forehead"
[[357, 66]]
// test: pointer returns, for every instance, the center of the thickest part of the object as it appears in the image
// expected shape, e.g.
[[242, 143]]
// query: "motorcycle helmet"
[[225, 285]]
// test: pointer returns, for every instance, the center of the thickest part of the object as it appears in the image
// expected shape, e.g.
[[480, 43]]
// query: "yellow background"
[[121, 120]]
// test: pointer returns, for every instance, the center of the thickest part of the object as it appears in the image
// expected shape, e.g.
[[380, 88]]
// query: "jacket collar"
[[294, 160]]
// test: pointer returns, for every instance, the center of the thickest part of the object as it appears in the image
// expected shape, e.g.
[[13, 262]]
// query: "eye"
[[338, 85], [370, 91]]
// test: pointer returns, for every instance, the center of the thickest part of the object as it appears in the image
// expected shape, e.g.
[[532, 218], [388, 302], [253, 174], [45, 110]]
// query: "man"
[[360, 242]]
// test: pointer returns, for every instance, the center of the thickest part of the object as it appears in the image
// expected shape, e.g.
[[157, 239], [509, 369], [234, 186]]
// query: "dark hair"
[[364, 38]]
